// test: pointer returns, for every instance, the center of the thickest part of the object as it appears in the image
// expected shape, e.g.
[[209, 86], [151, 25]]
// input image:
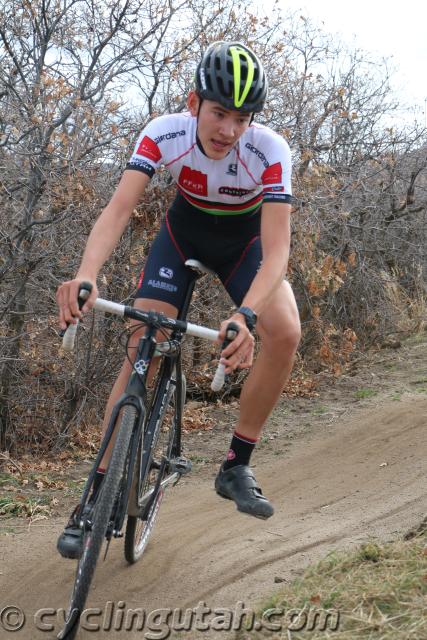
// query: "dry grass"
[[379, 592]]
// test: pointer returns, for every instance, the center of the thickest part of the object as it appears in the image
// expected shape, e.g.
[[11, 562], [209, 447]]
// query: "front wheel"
[[101, 517], [159, 448]]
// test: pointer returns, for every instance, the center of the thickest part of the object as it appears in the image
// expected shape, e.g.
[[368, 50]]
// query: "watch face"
[[249, 315]]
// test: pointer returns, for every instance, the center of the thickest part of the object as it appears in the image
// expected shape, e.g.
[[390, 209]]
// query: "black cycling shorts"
[[229, 245]]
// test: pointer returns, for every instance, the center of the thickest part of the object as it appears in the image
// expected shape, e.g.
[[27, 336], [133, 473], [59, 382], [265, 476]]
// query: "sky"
[[389, 29]]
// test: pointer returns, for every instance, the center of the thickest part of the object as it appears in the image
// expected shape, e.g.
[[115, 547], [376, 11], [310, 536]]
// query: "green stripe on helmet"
[[236, 52]]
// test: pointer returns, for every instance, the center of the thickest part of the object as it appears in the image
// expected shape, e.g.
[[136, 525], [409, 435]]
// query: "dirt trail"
[[347, 471]]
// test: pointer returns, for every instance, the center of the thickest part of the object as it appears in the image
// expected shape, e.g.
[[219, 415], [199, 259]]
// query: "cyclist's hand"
[[239, 353], [66, 297]]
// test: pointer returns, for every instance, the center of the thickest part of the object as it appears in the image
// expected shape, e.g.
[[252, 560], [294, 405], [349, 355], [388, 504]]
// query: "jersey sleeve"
[[276, 178], [146, 156]]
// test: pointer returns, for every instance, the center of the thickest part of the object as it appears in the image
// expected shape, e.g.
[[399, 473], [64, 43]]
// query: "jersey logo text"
[[194, 181], [273, 174], [258, 153], [275, 188], [146, 167], [169, 136], [158, 284], [149, 149], [233, 191]]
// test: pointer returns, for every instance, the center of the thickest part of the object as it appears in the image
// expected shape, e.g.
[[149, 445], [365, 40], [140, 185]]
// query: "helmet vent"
[[222, 87], [234, 77]]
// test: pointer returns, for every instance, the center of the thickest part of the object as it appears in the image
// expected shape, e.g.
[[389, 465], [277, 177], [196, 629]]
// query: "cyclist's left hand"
[[239, 353]]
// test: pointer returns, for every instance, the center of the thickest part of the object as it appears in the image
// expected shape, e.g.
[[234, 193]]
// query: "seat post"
[[182, 315], [199, 270]]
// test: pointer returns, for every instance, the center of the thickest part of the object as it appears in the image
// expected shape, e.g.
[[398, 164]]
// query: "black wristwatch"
[[250, 317]]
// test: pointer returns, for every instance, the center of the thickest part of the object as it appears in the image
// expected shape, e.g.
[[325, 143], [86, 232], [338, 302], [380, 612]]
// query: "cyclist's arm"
[[110, 225], [275, 242], [102, 240]]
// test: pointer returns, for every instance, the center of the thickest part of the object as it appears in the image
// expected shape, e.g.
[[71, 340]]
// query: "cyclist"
[[232, 212]]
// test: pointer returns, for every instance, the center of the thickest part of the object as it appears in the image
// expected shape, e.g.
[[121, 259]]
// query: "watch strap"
[[250, 317]]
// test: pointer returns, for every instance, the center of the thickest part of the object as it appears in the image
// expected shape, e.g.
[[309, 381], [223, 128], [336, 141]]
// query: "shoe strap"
[[246, 477]]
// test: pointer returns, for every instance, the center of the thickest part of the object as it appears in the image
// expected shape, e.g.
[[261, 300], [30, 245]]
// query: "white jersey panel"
[[257, 169]]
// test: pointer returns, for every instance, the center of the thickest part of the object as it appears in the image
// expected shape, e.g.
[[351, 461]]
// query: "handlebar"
[[151, 317], [219, 377], [69, 335]]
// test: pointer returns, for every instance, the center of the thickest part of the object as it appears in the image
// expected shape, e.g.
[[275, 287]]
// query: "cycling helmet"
[[231, 74]]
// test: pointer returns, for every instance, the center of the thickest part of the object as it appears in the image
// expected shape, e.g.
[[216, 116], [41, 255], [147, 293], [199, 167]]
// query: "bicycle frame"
[[135, 394]]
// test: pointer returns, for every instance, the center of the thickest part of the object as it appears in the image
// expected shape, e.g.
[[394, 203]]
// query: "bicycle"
[[146, 456]]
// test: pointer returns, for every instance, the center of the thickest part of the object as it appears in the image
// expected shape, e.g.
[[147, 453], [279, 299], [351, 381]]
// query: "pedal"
[[179, 465]]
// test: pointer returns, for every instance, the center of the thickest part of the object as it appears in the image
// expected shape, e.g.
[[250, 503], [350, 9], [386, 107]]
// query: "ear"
[[193, 102]]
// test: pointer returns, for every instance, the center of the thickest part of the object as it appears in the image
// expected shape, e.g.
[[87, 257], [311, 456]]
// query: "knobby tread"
[[131, 554], [102, 512]]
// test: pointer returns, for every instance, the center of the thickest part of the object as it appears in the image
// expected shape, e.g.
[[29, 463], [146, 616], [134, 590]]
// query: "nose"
[[227, 128]]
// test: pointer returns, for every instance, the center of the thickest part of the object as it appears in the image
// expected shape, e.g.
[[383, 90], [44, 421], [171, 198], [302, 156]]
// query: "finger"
[[59, 303], [235, 344], [232, 362], [243, 358], [62, 322], [223, 331], [245, 364], [73, 292], [221, 334], [69, 318], [88, 305], [64, 315], [243, 344]]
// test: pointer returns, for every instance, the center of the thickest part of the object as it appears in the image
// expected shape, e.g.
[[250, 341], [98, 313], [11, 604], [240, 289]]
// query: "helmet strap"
[[200, 106], [199, 144]]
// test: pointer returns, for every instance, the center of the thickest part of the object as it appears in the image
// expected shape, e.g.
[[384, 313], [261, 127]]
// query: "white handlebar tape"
[[69, 337], [219, 377], [71, 331]]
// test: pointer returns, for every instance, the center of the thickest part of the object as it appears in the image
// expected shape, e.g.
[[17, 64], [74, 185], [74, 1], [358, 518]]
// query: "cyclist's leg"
[[279, 330]]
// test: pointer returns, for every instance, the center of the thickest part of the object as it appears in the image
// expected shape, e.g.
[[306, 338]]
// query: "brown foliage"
[[359, 234]]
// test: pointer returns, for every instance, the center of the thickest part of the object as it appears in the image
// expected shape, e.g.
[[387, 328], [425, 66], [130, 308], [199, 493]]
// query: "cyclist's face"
[[218, 128]]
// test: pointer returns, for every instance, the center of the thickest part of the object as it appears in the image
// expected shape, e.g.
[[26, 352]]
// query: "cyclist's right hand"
[[66, 297]]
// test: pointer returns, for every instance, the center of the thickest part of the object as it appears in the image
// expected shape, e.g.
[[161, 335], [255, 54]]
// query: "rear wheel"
[[100, 520], [165, 420]]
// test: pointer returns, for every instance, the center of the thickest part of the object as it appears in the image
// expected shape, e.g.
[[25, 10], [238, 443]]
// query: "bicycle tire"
[[101, 517], [138, 530]]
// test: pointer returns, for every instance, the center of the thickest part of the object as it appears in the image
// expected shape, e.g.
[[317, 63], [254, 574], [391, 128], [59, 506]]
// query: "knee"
[[294, 337], [282, 340]]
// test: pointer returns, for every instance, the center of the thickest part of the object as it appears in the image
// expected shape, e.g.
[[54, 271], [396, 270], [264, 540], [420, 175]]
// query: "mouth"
[[220, 146]]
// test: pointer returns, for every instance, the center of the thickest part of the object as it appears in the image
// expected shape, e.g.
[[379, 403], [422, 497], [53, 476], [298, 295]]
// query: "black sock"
[[97, 481], [240, 451]]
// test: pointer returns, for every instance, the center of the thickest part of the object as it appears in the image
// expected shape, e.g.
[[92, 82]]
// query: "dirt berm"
[[343, 467]]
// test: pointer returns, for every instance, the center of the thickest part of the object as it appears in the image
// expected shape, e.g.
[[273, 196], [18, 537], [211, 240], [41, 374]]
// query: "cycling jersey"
[[256, 170], [231, 190]]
